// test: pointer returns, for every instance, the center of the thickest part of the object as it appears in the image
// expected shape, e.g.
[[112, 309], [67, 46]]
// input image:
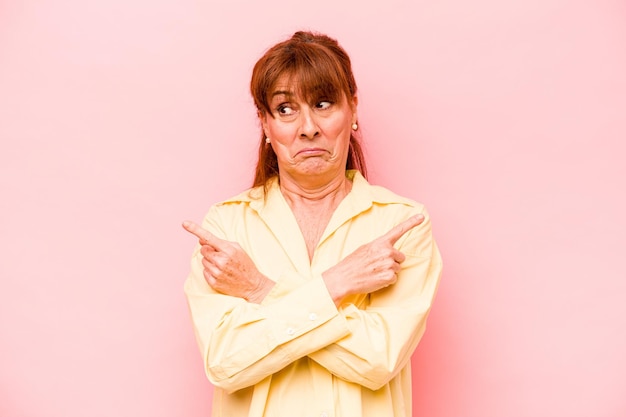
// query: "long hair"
[[317, 65]]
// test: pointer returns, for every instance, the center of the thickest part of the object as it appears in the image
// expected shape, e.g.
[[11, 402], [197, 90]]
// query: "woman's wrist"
[[337, 292], [258, 294]]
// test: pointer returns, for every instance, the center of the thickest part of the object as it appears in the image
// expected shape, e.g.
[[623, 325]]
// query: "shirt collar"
[[275, 212], [362, 194]]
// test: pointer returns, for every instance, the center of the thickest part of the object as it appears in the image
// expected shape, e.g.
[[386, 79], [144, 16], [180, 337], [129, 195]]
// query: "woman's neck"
[[313, 205], [315, 193]]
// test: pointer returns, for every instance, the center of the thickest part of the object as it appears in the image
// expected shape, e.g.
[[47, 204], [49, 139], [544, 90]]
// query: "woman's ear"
[[263, 119], [354, 104]]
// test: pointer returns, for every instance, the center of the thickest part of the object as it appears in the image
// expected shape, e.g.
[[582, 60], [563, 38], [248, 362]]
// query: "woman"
[[310, 291]]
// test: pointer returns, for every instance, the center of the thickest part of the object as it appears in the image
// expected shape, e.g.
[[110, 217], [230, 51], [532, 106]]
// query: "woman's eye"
[[323, 105], [285, 110]]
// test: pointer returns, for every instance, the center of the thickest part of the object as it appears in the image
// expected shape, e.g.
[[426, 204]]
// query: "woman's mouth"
[[310, 152]]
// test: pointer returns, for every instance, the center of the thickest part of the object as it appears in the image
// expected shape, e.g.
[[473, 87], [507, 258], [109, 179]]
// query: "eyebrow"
[[282, 92]]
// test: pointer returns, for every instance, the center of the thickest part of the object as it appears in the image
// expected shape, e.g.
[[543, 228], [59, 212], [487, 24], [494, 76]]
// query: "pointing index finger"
[[204, 235], [396, 233]]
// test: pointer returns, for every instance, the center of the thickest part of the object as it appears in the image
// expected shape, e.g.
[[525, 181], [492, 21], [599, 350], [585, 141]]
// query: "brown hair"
[[318, 66]]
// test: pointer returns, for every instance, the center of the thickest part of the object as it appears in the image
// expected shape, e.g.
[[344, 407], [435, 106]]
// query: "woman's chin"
[[316, 167]]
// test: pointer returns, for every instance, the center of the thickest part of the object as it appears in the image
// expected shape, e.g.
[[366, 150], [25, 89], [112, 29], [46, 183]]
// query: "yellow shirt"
[[296, 354]]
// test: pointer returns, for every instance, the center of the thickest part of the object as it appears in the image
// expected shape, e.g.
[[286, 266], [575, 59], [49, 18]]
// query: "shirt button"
[[290, 331], [324, 414], [312, 316]]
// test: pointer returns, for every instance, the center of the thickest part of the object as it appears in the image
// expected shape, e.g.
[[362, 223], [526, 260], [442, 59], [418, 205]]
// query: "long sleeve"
[[385, 332], [243, 343]]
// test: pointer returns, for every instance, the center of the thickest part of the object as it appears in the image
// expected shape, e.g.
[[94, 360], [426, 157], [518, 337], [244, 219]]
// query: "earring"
[[267, 140], [355, 126]]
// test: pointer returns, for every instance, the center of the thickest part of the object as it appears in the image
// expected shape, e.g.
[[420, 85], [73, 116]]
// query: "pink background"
[[120, 119]]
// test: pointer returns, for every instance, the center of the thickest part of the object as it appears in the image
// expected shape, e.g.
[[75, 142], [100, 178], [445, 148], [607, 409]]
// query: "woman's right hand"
[[371, 267], [228, 268]]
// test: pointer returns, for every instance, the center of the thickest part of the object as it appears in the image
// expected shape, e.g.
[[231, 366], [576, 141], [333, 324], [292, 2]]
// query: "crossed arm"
[[362, 345], [229, 270]]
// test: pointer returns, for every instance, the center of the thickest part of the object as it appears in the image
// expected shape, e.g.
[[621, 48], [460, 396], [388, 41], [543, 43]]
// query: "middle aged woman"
[[310, 291]]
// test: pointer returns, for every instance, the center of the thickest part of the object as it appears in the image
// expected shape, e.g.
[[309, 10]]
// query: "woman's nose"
[[309, 128]]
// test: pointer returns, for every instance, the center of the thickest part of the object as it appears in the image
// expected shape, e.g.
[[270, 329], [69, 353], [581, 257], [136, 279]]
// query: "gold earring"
[[355, 126]]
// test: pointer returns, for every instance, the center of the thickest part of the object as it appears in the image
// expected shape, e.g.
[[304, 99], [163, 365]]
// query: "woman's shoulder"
[[252, 195], [384, 195], [226, 215], [381, 195], [252, 199], [247, 196]]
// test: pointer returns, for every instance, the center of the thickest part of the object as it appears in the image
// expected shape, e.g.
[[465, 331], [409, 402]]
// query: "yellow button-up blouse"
[[296, 354]]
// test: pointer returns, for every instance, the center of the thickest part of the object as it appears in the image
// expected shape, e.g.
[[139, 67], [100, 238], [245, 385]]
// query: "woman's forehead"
[[294, 86], [289, 84], [285, 84]]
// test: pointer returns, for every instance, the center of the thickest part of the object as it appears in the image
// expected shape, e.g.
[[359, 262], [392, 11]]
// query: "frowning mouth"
[[310, 152]]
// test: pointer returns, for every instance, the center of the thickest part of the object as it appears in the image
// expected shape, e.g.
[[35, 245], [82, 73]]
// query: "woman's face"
[[309, 138]]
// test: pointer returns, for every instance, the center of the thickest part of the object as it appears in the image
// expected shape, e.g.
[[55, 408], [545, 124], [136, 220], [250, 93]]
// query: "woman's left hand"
[[228, 268]]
